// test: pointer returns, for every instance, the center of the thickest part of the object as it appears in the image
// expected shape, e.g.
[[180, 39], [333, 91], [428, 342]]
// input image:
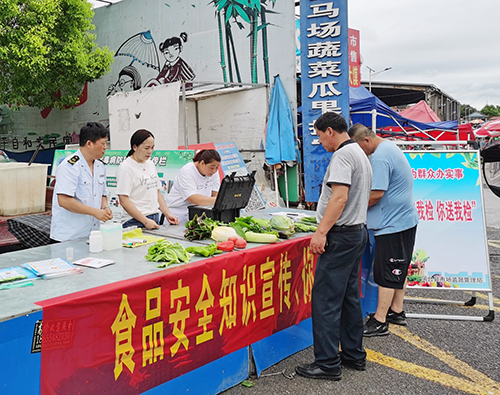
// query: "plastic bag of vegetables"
[[284, 225]]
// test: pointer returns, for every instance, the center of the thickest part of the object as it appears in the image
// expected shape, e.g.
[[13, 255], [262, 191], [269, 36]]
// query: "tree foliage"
[[466, 109], [47, 52], [491, 110]]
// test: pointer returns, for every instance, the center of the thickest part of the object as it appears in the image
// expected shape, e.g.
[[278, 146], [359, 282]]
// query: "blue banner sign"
[[451, 250], [324, 77]]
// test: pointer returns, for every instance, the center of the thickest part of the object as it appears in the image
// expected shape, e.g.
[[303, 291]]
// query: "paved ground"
[[428, 357]]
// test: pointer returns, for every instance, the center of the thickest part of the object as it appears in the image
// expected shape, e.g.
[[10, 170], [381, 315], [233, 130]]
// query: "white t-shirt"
[[189, 182], [140, 182]]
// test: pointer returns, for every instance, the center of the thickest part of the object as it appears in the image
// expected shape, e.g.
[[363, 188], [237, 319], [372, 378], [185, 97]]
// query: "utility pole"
[[373, 73]]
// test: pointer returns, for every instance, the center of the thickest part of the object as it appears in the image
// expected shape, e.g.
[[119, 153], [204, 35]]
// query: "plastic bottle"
[[111, 236], [95, 241]]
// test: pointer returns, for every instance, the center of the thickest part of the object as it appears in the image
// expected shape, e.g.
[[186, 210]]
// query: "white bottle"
[[95, 241]]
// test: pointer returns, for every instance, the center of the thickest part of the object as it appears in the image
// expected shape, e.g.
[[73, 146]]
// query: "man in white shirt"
[[80, 197]]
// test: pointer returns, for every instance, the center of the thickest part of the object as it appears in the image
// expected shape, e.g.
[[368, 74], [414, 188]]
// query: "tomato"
[[227, 246], [234, 239], [240, 243]]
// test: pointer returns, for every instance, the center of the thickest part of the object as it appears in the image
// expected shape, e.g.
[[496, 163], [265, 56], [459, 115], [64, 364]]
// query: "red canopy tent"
[[422, 112], [465, 132]]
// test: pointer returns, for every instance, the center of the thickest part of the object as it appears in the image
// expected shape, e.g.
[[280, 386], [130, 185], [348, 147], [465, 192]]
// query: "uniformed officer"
[[80, 197]]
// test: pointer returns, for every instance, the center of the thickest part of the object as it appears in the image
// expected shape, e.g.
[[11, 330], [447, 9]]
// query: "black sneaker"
[[396, 318], [373, 327]]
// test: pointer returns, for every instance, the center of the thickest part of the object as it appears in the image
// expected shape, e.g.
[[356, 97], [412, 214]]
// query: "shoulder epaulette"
[[73, 159]]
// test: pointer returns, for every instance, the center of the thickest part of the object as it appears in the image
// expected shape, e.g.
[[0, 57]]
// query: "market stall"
[[130, 327]]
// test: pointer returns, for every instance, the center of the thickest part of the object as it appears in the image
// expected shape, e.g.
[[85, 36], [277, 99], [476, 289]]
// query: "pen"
[[17, 284], [135, 240]]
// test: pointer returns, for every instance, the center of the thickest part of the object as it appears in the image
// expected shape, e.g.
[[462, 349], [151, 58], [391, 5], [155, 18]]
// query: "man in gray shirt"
[[339, 241]]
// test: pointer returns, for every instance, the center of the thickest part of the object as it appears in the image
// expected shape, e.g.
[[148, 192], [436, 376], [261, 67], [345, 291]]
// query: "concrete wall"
[[158, 20]]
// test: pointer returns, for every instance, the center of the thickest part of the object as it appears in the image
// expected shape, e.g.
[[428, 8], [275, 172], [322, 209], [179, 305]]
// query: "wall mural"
[[142, 49], [214, 40], [232, 13]]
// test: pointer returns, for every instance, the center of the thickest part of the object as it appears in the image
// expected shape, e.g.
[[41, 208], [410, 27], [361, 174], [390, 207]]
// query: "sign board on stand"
[[451, 250]]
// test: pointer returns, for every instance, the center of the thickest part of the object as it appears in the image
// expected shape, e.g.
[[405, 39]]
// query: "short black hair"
[[207, 156], [332, 120], [92, 131], [359, 132]]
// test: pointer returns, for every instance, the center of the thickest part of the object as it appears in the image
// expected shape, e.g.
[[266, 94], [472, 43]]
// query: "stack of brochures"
[[50, 268], [16, 277]]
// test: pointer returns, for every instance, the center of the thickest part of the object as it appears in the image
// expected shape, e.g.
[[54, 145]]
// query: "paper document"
[[96, 263]]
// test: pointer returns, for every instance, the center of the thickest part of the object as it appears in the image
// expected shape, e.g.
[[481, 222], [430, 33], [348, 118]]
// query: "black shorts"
[[393, 254]]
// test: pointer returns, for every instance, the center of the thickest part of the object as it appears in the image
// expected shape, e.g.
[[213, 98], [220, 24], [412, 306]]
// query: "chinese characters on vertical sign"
[[354, 59], [324, 79]]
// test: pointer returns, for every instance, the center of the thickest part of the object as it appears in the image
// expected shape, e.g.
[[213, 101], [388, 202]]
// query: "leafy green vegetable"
[[302, 227], [307, 220], [264, 223], [165, 251], [238, 228], [250, 224], [200, 228], [205, 251], [247, 383]]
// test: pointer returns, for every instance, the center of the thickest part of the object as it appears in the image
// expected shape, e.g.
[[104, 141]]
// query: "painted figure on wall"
[[141, 47], [129, 79], [175, 68]]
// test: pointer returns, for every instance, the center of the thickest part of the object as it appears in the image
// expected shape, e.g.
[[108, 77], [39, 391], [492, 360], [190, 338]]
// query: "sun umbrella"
[[280, 137], [141, 48], [491, 129]]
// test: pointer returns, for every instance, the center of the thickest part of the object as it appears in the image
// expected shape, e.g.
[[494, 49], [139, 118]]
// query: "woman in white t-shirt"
[[196, 184], [138, 185]]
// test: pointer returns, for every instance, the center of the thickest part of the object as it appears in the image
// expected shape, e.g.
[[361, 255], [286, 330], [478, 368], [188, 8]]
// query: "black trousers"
[[336, 308]]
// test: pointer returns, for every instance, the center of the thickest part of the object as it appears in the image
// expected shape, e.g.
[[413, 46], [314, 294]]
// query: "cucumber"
[[263, 238]]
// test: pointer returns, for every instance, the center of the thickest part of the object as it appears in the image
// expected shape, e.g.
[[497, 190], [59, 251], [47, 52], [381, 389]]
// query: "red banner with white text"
[[134, 335], [354, 59]]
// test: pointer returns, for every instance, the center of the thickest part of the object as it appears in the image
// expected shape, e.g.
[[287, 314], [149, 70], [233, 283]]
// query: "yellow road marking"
[[494, 243], [433, 375], [449, 359]]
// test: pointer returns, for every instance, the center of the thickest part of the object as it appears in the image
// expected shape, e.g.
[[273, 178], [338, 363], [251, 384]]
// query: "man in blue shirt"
[[80, 197], [393, 218]]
